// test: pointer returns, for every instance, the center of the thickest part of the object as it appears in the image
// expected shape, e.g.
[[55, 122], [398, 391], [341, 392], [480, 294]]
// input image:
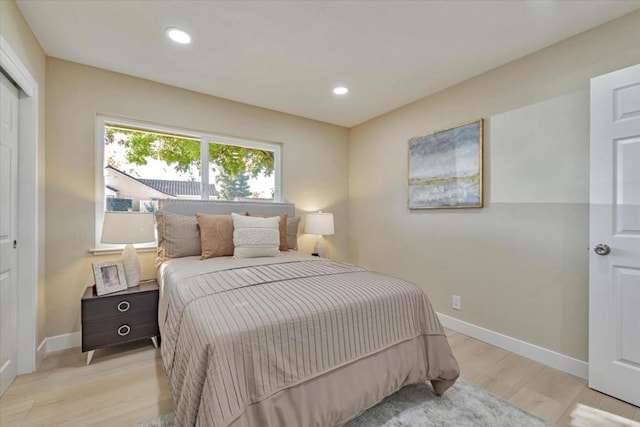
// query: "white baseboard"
[[41, 351], [7, 374], [542, 355], [61, 342]]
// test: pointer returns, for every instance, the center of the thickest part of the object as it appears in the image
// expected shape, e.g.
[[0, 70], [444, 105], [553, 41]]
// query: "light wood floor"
[[126, 385]]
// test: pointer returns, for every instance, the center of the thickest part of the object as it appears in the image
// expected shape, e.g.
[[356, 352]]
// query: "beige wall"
[[17, 33], [314, 175], [521, 263]]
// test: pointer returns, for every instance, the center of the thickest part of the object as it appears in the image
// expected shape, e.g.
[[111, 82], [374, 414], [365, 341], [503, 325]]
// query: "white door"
[[8, 227], [614, 263]]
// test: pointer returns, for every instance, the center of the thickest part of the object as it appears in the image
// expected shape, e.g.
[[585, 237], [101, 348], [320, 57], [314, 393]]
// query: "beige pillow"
[[216, 235], [178, 236], [292, 232], [284, 241], [255, 237]]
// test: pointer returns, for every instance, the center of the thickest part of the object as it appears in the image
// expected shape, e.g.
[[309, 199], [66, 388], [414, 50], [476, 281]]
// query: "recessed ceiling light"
[[178, 35], [340, 90]]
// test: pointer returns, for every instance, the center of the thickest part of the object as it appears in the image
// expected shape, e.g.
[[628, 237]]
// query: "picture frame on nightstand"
[[109, 277]]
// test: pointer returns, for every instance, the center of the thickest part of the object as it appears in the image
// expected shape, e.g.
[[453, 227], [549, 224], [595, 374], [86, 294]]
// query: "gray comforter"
[[235, 337]]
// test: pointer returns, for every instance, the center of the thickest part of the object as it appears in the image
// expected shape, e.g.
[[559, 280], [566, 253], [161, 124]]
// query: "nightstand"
[[119, 318]]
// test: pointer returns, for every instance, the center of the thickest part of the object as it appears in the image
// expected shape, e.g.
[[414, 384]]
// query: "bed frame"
[[330, 397]]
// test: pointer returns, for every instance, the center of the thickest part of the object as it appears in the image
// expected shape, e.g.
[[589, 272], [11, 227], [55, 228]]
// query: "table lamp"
[[319, 223], [128, 228]]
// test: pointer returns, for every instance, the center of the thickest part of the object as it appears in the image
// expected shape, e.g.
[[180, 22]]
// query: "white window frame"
[[205, 139]]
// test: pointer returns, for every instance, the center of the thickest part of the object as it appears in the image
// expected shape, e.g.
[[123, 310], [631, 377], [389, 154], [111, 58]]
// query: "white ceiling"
[[288, 55]]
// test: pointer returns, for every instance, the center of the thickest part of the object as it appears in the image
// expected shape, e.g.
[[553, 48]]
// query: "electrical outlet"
[[456, 302]]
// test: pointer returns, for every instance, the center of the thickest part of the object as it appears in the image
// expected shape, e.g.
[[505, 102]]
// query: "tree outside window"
[[143, 166]]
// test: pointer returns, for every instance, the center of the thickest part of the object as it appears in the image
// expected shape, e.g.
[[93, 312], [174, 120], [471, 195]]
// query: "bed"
[[291, 340]]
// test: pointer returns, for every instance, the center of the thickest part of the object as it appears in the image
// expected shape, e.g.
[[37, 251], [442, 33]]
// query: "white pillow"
[[255, 237]]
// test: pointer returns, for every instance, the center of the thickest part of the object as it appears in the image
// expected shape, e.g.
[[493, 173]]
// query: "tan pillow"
[[178, 236], [292, 232], [216, 235], [284, 241]]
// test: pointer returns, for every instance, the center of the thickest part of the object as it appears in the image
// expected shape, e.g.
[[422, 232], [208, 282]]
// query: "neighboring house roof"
[[170, 187], [177, 188]]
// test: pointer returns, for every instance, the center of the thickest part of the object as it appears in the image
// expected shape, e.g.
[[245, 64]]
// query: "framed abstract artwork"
[[445, 168]]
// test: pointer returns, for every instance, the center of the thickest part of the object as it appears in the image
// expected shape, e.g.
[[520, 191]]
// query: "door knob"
[[602, 249]]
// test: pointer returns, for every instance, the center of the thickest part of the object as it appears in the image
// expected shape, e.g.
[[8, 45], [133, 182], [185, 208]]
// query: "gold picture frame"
[[445, 168], [109, 277]]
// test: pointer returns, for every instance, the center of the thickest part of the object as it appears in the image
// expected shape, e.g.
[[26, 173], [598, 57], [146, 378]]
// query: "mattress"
[[292, 340]]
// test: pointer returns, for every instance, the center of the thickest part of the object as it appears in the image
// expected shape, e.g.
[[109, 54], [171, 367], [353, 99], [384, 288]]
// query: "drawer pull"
[[124, 330], [123, 306]]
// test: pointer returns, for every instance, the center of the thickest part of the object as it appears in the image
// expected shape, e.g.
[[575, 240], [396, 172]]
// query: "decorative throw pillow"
[[292, 232], [255, 237], [216, 235], [178, 236], [284, 241]]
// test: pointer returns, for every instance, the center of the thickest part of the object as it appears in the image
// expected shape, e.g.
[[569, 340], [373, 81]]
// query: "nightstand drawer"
[[117, 331], [118, 305]]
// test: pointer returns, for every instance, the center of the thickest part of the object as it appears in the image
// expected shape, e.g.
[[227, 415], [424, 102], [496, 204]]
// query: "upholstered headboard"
[[191, 207], [180, 234]]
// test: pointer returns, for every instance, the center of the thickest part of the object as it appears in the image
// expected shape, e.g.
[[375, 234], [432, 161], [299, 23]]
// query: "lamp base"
[[131, 265], [319, 250]]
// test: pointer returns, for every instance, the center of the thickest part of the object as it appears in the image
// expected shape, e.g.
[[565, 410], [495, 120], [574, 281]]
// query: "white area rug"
[[463, 405]]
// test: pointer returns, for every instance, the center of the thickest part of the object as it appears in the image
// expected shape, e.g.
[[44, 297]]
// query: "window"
[[139, 163]]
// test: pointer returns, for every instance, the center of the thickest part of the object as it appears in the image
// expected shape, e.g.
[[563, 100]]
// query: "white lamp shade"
[[319, 223], [128, 227]]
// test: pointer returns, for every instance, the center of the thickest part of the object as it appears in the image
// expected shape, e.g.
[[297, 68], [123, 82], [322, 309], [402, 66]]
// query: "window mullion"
[[204, 168], [277, 193]]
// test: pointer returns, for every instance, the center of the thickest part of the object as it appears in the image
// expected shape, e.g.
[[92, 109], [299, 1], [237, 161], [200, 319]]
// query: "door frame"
[[28, 206]]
